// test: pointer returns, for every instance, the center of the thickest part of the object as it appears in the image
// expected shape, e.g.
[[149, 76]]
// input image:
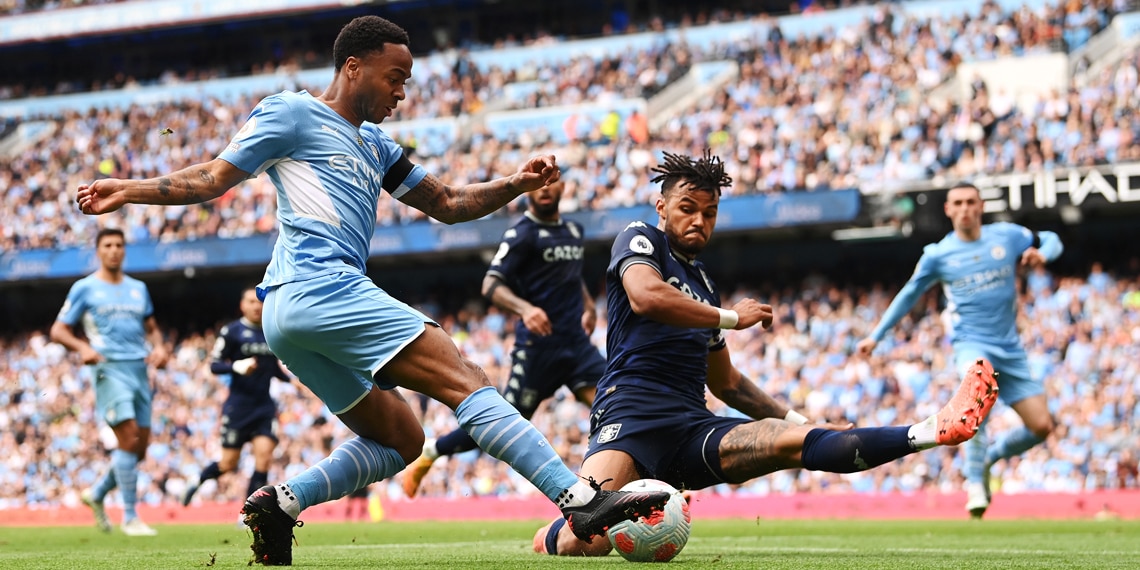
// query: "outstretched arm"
[[653, 298], [191, 185], [453, 204], [925, 274]]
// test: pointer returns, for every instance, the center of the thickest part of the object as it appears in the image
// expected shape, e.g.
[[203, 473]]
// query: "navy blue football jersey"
[[542, 263], [249, 394], [646, 353]]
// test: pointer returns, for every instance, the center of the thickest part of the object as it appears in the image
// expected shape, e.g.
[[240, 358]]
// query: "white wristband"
[[795, 417], [244, 365], [728, 319]]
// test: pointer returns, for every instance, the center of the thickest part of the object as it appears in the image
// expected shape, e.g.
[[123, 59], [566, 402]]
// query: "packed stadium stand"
[[881, 103], [1084, 329]]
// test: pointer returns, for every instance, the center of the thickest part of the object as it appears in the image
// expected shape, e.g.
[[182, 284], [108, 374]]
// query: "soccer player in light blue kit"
[[118, 323], [344, 337], [977, 266]]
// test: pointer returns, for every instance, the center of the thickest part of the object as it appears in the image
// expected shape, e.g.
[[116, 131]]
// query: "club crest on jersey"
[[246, 129], [574, 231], [608, 433], [998, 252], [641, 244], [375, 151]]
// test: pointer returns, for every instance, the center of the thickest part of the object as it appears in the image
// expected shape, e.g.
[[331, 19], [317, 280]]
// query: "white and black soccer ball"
[[659, 537]]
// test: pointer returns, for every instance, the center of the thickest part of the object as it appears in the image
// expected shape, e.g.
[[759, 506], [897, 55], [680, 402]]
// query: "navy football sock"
[[256, 481], [551, 540], [854, 450], [212, 472], [457, 441]]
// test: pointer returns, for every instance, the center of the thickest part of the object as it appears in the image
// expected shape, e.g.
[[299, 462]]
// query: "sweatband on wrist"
[[728, 319], [795, 417]]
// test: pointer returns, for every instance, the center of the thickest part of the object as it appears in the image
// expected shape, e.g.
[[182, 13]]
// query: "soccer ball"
[[659, 537]]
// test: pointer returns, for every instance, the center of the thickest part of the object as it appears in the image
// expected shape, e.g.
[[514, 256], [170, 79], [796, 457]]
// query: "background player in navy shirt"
[[664, 346], [249, 414], [537, 275]]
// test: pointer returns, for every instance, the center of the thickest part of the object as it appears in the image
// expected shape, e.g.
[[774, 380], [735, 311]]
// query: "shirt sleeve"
[[74, 306], [633, 245], [148, 304], [220, 361], [268, 135], [513, 250]]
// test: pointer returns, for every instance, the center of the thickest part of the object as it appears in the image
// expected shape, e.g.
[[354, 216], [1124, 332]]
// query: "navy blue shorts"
[[677, 444], [237, 431], [537, 372]]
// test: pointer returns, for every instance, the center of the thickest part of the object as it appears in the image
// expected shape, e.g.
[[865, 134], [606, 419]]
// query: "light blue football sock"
[[354, 464], [974, 452], [126, 467], [1017, 441], [105, 484], [503, 433]]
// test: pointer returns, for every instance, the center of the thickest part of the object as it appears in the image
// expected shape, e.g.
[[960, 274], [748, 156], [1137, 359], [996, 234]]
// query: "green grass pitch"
[[717, 544]]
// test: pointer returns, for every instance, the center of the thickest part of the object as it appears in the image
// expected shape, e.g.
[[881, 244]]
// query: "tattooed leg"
[[761, 447]]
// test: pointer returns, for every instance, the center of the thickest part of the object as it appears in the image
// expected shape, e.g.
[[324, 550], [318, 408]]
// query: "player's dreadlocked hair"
[[706, 173], [365, 35]]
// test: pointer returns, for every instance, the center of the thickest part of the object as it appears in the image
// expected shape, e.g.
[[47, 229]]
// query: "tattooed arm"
[[191, 185], [734, 389], [453, 204]]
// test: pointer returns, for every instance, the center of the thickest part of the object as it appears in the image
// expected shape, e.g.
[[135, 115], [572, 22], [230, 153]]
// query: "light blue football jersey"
[[112, 315], [328, 175], [979, 280]]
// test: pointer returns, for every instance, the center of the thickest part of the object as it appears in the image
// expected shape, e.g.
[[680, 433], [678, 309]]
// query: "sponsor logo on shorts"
[[608, 433]]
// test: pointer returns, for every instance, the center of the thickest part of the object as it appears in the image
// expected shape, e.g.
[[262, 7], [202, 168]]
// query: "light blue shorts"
[[1014, 382], [122, 392], [335, 332]]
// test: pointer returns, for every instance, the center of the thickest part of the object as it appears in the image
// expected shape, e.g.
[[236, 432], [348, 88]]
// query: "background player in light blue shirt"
[[344, 337], [977, 266], [118, 323]]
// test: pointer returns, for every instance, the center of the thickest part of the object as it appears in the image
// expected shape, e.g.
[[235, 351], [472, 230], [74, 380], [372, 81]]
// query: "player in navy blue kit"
[[537, 275], [249, 414], [665, 345], [348, 340]]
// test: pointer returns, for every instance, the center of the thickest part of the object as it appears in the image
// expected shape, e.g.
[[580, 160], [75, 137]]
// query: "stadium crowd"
[[847, 108], [1082, 334]]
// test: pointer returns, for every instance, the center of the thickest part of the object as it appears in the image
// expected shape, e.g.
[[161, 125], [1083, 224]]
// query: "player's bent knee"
[[1042, 429]]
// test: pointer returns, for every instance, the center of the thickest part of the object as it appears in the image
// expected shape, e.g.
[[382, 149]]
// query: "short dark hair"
[[365, 35], [108, 232], [705, 173], [966, 185]]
